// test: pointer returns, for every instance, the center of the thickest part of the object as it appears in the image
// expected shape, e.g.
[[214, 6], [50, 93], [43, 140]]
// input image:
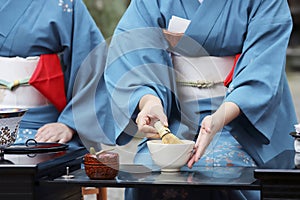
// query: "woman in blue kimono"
[[61, 37], [248, 125]]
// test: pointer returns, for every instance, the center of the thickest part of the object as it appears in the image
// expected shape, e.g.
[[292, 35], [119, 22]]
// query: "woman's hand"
[[54, 132], [151, 110], [206, 134], [210, 125]]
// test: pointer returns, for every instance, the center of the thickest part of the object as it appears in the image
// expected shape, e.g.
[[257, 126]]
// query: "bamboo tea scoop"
[[165, 134]]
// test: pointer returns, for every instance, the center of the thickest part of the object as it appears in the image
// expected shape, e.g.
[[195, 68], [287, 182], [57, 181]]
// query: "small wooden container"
[[102, 166]]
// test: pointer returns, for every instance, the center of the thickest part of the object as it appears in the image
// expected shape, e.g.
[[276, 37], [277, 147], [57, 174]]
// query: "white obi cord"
[[194, 71], [17, 69]]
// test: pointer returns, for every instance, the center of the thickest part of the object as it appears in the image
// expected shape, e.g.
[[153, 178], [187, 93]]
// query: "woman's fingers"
[[203, 141]]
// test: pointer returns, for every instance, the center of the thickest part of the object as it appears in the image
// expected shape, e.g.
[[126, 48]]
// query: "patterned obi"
[[15, 90]]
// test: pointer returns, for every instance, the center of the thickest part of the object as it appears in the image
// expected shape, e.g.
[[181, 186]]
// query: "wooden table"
[[21, 179], [40, 176], [283, 181], [278, 179], [138, 176]]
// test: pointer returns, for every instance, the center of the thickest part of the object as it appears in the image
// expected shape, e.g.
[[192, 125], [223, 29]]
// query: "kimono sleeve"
[[258, 85], [86, 95], [137, 64]]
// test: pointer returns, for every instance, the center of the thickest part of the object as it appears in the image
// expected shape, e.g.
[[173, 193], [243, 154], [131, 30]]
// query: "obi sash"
[[198, 77], [31, 82], [15, 92], [201, 77]]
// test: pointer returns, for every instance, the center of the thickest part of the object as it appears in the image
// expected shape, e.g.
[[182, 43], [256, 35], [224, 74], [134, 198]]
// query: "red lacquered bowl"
[[102, 166]]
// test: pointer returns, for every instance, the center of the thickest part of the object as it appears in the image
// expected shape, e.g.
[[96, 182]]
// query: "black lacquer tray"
[[20, 148]]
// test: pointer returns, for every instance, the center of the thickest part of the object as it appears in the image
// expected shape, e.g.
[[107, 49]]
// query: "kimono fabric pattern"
[[64, 27], [139, 63]]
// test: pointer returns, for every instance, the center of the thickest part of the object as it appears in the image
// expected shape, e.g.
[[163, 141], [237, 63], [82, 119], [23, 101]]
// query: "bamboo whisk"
[[165, 134]]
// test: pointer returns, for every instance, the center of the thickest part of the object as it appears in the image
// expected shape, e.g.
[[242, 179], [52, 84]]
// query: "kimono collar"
[[11, 12], [199, 29], [204, 19]]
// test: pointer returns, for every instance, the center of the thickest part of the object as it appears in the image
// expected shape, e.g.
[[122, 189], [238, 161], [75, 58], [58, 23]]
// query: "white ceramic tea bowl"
[[170, 157]]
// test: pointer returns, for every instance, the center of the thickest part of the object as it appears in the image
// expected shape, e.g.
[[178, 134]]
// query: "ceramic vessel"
[[297, 160], [102, 166], [296, 141], [9, 125], [170, 157], [297, 145]]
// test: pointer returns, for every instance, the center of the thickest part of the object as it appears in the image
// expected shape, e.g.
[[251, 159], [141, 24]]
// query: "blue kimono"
[[63, 27], [139, 63]]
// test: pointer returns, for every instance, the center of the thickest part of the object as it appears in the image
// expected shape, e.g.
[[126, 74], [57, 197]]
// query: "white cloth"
[[24, 96]]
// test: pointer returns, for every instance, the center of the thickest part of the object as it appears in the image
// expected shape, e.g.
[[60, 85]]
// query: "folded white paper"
[[178, 24]]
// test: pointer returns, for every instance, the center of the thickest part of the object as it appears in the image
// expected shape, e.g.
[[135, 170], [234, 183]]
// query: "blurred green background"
[[107, 13]]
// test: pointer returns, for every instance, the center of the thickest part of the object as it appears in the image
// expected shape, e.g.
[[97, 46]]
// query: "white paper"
[[178, 24]]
